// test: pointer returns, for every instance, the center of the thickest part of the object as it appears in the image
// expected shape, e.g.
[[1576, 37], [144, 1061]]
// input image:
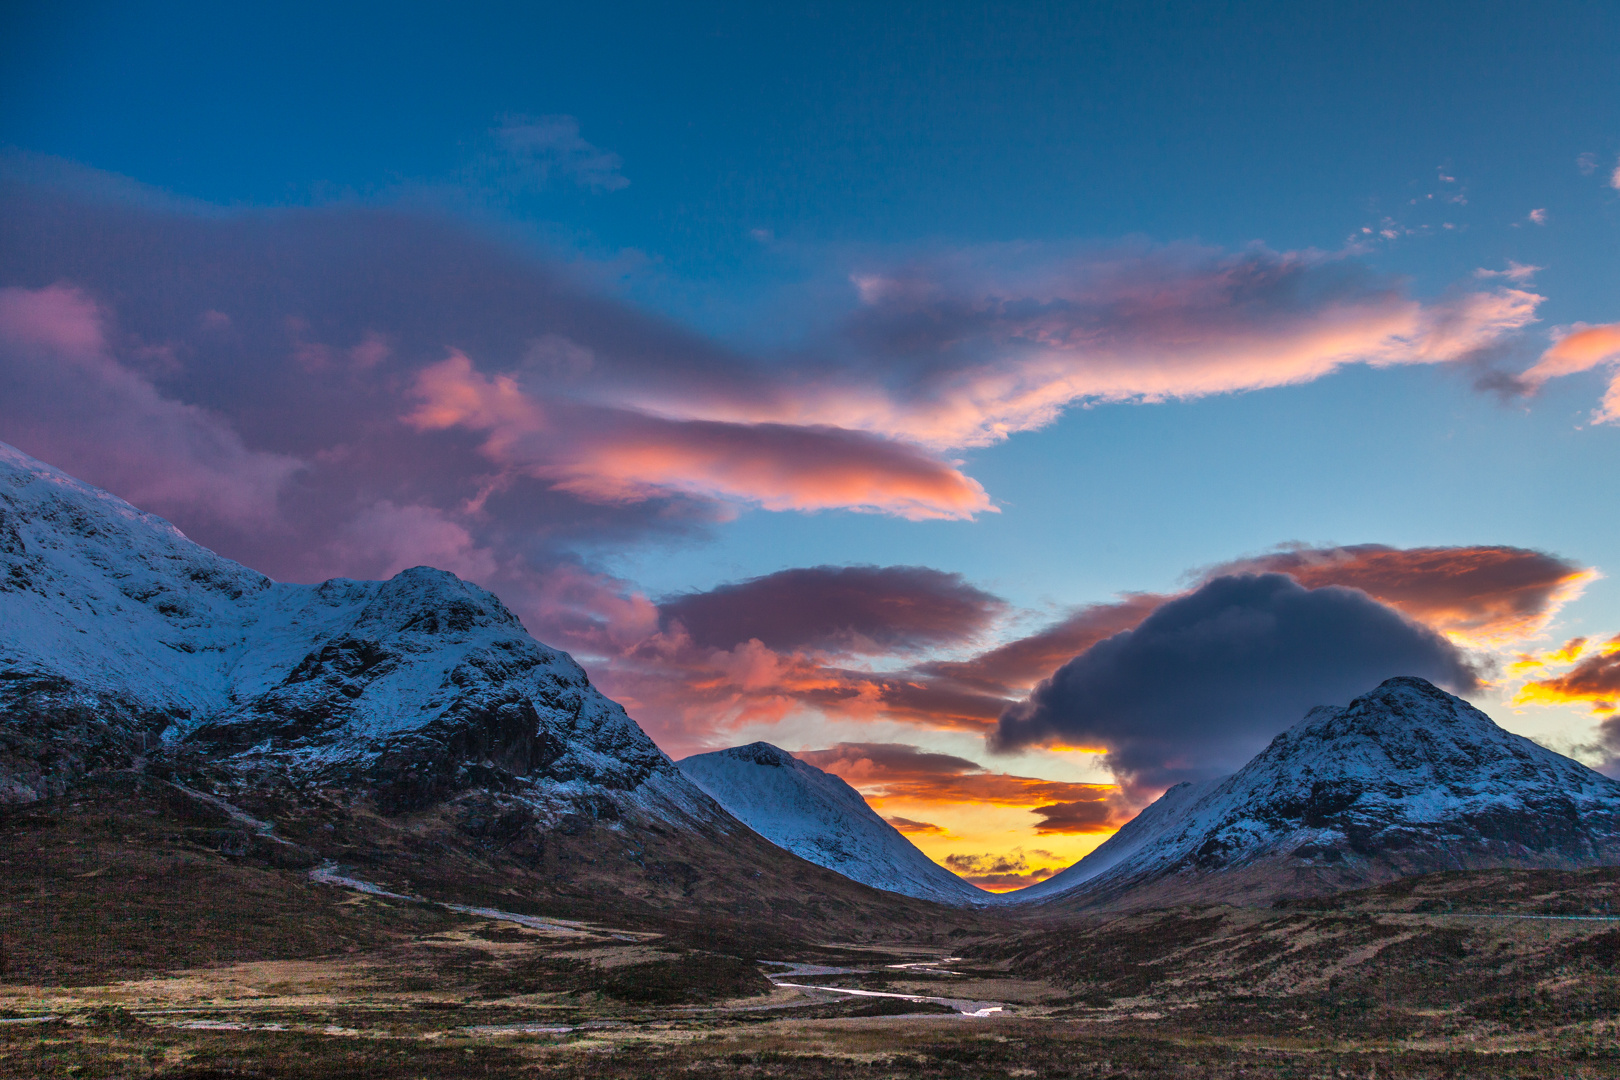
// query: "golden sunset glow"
[[1594, 681]]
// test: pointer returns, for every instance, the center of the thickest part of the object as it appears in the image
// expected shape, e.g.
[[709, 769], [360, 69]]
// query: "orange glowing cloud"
[[613, 456], [776, 466], [898, 771], [1582, 349], [1476, 595], [1567, 653], [917, 828], [1001, 873], [1594, 682]]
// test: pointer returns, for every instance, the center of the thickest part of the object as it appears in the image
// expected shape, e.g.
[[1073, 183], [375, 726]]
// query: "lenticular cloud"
[[1205, 680]]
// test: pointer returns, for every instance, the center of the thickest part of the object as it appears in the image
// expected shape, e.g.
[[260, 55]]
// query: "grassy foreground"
[[137, 942]]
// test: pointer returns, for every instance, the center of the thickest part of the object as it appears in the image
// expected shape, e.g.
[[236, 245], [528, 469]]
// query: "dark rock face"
[[1405, 779]]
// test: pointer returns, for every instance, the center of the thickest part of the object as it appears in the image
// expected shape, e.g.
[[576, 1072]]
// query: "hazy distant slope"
[[819, 817]]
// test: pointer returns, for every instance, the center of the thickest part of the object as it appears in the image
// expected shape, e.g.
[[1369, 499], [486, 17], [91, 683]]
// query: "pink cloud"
[[620, 456], [1583, 348], [65, 398], [346, 391], [973, 353], [382, 539]]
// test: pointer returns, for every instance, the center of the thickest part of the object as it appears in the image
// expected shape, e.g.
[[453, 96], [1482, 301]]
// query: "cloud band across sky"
[[350, 390]]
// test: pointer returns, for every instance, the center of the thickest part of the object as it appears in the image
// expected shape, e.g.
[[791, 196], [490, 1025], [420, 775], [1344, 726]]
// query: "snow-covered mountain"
[[1405, 779], [118, 636], [819, 817]]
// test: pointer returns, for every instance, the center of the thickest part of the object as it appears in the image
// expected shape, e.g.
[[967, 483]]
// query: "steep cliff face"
[[119, 636], [819, 817], [1405, 779]]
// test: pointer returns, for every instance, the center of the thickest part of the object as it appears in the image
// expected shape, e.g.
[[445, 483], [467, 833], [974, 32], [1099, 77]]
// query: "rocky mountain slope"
[[819, 817], [1406, 779], [113, 623], [408, 729]]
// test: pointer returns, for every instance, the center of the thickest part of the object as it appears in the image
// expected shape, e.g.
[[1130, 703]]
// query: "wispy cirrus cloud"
[[530, 152]]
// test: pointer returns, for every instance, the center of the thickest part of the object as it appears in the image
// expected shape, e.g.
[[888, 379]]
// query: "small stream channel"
[[963, 1006]]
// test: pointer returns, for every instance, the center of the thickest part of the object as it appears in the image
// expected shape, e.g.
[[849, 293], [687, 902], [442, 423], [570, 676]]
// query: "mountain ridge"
[[410, 730], [1405, 779]]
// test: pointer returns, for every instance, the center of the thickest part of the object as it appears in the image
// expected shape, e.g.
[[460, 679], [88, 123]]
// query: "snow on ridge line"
[[1403, 775], [823, 820], [107, 606]]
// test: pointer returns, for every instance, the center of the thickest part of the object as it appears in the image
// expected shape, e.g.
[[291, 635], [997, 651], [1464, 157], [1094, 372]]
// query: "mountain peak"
[[819, 817], [1406, 778], [761, 753], [117, 628]]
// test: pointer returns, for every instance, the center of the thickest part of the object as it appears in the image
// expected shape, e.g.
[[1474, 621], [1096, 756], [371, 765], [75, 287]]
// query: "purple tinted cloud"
[[845, 608]]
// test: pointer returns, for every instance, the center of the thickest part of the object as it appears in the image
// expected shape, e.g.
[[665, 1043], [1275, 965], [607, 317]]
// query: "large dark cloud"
[[1209, 677], [852, 608]]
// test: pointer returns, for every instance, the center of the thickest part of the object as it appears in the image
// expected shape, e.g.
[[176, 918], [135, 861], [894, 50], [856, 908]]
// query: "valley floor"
[[130, 949]]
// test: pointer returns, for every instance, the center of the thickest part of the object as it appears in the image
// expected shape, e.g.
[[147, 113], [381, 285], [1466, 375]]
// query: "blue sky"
[[723, 178]]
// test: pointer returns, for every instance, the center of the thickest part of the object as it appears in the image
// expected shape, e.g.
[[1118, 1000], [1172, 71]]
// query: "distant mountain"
[[409, 728], [819, 817], [1406, 779]]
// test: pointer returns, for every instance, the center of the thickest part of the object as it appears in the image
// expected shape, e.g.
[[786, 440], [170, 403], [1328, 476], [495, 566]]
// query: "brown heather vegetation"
[[145, 936]]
